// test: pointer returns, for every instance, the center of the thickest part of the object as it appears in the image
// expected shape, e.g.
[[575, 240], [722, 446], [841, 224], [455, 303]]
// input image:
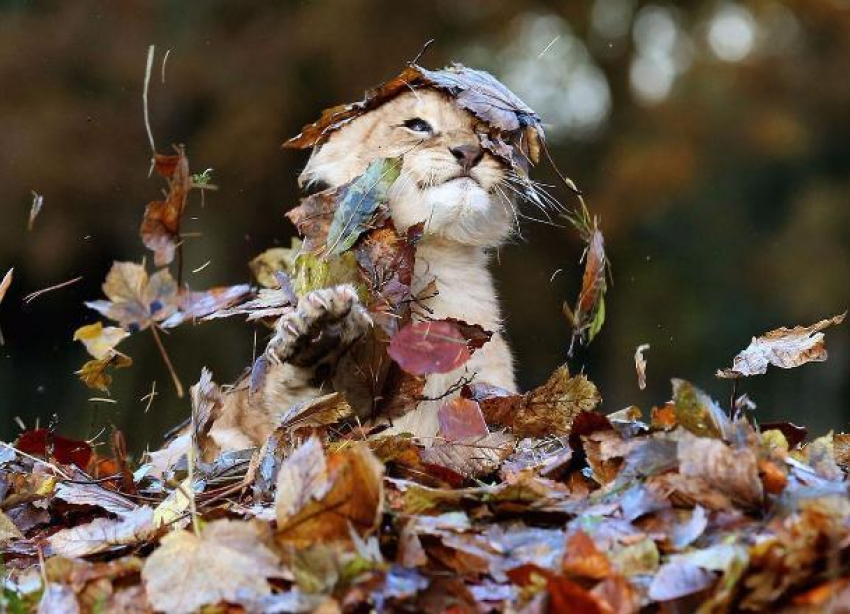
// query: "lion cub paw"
[[324, 324]]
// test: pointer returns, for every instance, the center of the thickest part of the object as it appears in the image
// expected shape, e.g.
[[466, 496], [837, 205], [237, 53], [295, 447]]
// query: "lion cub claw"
[[321, 328]]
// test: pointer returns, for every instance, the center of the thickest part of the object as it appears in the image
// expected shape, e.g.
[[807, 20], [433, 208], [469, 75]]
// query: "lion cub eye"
[[419, 126]]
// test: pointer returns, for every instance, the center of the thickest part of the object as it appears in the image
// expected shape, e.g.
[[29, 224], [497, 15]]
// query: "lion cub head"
[[448, 181]]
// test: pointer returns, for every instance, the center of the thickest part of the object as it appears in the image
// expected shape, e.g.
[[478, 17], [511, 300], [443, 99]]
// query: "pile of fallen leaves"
[[534, 502], [530, 502]]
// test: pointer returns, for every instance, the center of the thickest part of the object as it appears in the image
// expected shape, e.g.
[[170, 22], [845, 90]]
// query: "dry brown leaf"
[[471, 456], [326, 504], [229, 561], [160, 229], [104, 534], [8, 530], [547, 410], [785, 348], [640, 365], [322, 411], [582, 558], [95, 373], [731, 471]]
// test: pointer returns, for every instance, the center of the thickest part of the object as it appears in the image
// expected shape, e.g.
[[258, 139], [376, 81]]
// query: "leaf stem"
[[177, 385]]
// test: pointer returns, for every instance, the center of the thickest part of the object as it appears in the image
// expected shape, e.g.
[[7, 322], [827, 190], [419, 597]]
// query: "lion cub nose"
[[467, 155]]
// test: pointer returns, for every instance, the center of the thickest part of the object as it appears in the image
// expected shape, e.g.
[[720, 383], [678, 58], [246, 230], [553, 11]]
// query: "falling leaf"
[[104, 534], [95, 373], [35, 209], [137, 301], [358, 202], [100, 340], [160, 229], [42, 442], [197, 305], [784, 348], [640, 365], [422, 348], [228, 561], [587, 317]]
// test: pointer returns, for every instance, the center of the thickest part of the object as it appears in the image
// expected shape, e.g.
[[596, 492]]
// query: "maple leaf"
[[160, 229], [228, 561], [137, 301], [785, 348]]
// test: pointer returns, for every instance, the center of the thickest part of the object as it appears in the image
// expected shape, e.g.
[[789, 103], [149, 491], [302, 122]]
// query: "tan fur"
[[465, 217]]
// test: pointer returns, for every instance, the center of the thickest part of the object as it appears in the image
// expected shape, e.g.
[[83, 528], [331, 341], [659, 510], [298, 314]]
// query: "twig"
[[177, 385], [37, 460], [148, 69], [34, 295], [164, 60], [422, 51]]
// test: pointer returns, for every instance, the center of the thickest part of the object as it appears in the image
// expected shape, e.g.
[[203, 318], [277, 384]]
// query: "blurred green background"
[[712, 138]]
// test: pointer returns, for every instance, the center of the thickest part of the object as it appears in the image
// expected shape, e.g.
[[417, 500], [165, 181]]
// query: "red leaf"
[[460, 419], [422, 348], [65, 451]]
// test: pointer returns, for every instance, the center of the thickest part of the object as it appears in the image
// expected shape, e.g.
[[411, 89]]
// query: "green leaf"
[[359, 202]]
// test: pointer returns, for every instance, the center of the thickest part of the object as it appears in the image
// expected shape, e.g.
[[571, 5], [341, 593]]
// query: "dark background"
[[712, 138]]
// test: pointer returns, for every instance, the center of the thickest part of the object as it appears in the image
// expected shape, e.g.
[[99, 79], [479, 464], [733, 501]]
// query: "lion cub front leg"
[[301, 355]]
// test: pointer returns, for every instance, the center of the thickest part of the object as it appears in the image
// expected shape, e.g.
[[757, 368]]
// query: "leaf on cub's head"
[[515, 131], [100, 340], [135, 300], [160, 229], [785, 348]]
